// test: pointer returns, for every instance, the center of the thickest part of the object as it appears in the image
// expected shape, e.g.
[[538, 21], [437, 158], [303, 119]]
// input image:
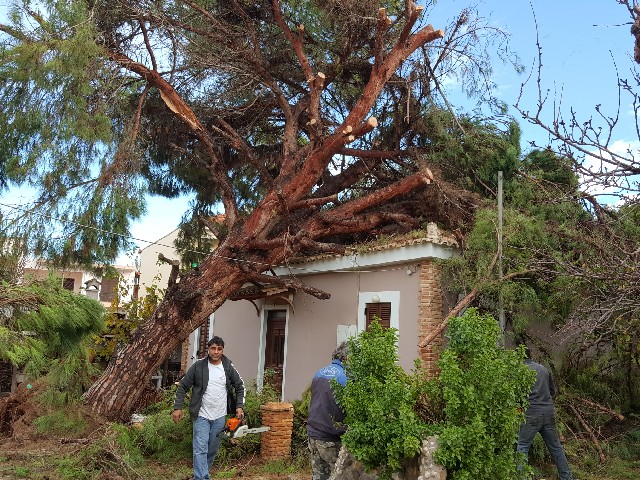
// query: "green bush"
[[475, 405], [299, 438], [484, 389], [378, 400]]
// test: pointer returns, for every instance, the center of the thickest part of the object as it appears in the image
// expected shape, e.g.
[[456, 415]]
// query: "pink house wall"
[[312, 326]]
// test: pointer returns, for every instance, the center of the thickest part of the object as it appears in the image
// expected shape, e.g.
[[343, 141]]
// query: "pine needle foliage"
[[45, 329]]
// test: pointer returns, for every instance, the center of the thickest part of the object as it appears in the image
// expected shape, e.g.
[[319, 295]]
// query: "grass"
[[622, 459], [22, 472], [232, 472], [60, 423]]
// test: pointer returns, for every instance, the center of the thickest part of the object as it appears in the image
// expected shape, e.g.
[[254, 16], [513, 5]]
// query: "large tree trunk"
[[289, 220], [186, 305]]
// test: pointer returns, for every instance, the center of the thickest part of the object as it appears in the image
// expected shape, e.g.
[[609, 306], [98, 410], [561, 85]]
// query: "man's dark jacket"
[[542, 392], [325, 415], [197, 377]]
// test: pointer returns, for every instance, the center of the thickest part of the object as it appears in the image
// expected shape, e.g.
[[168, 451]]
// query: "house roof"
[[414, 246], [431, 235]]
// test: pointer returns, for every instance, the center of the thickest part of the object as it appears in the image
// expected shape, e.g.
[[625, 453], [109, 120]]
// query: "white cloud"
[[610, 190]]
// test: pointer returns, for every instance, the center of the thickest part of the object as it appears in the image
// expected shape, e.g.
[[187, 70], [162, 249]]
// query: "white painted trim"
[[392, 296], [264, 311], [355, 262], [194, 345], [212, 324]]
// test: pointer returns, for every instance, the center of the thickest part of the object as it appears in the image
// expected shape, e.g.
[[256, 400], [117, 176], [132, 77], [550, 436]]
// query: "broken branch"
[[289, 283], [175, 268]]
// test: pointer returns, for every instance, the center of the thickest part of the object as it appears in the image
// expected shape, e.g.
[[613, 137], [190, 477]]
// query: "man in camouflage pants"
[[324, 425]]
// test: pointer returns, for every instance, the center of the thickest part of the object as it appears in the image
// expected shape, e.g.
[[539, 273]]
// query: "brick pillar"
[[184, 357], [430, 313], [276, 443]]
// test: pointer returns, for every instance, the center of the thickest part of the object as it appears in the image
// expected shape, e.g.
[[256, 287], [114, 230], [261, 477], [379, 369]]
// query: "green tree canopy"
[[45, 329]]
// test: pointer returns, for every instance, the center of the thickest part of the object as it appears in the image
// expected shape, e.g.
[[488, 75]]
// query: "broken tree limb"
[[454, 312], [590, 432], [289, 283], [214, 226], [175, 268], [314, 202], [602, 408]]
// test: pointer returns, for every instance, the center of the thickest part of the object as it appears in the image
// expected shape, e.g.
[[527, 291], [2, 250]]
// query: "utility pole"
[[501, 320]]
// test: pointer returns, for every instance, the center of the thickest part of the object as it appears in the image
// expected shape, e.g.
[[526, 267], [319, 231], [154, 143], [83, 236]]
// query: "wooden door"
[[274, 348]]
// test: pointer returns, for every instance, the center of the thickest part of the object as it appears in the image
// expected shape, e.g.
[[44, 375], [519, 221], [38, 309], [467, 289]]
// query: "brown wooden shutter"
[[69, 284], [108, 289], [381, 311]]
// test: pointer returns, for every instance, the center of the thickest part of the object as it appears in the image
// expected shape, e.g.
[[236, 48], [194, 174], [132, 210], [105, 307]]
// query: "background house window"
[[68, 284], [381, 311], [108, 289]]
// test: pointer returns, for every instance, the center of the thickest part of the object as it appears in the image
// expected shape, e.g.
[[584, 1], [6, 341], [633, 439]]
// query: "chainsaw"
[[237, 428]]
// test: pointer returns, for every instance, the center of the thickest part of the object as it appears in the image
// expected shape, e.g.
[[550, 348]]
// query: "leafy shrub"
[[123, 317], [484, 388], [378, 401], [299, 438], [475, 405]]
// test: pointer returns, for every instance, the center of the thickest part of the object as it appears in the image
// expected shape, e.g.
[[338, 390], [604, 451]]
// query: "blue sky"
[[580, 42]]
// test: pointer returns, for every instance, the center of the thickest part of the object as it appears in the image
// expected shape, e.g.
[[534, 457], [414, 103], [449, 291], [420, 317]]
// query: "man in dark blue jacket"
[[540, 417], [324, 425], [218, 389]]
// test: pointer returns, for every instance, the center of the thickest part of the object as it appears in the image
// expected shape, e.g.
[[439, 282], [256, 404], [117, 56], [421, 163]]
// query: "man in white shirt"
[[218, 390]]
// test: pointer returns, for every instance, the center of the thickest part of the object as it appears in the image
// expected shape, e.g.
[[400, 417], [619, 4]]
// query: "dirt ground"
[[25, 453], [38, 458]]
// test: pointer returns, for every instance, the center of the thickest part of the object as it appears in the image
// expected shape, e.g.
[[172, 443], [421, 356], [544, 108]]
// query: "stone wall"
[[422, 468]]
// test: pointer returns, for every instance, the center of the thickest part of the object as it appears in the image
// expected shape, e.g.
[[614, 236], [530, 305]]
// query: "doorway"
[[274, 349]]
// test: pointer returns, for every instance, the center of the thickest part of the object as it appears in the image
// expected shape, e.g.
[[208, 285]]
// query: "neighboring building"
[[83, 282], [152, 272], [75, 280], [292, 334]]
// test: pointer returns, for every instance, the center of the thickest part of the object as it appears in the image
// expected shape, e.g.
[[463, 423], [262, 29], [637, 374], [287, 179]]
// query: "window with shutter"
[[381, 311], [108, 289]]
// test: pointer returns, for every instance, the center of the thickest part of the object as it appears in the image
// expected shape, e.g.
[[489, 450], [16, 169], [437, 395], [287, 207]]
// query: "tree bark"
[[186, 306], [288, 204]]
